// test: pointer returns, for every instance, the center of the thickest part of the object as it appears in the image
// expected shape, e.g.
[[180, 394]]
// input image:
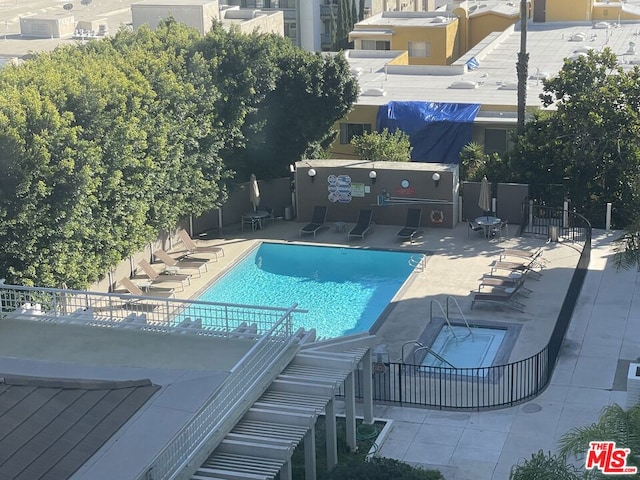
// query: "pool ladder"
[[427, 349], [446, 316], [418, 262]]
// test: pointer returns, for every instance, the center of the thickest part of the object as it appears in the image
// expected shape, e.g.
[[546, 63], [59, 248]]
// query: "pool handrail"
[[410, 342], [464, 319], [438, 356], [444, 314], [418, 263]]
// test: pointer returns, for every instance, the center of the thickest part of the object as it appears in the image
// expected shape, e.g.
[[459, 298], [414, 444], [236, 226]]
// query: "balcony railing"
[[275, 345], [145, 312]]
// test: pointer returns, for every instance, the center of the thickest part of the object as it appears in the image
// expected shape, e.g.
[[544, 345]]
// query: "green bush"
[[382, 469]]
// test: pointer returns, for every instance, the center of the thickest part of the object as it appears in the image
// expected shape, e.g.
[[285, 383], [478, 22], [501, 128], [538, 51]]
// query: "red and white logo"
[[609, 459]]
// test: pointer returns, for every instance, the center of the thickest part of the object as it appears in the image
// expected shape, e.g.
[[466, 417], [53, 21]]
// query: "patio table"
[[487, 221]]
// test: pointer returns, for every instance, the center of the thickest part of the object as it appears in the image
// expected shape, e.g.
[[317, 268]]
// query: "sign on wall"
[[340, 188], [357, 190]]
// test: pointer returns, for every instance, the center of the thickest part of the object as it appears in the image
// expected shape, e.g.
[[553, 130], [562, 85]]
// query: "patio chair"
[[503, 284], [523, 268], [411, 225], [507, 299], [270, 215], [496, 230], [192, 247], [475, 228], [163, 277], [133, 289], [525, 254], [363, 225], [174, 264], [318, 219]]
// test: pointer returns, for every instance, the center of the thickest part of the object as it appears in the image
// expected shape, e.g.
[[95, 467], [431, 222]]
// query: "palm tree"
[[522, 67], [627, 248], [614, 424], [544, 467]]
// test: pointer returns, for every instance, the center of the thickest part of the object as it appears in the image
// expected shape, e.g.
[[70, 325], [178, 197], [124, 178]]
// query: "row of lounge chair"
[[506, 290], [178, 270], [364, 223]]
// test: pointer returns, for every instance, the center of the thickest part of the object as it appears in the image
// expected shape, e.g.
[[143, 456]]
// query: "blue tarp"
[[437, 131]]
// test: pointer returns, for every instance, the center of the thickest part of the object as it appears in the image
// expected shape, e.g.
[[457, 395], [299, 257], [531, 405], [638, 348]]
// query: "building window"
[[375, 45], [496, 140], [291, 31], [350, 130], [419, 49]]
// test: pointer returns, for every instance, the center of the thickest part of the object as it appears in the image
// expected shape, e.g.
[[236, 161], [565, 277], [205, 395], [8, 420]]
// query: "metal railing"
[[487, 387], [462, 388], [271, 328], [246, 382], [143, 312], [540, 220]]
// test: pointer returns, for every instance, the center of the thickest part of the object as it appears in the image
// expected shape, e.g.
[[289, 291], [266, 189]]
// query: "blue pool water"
[[345, 290], [464, 350]]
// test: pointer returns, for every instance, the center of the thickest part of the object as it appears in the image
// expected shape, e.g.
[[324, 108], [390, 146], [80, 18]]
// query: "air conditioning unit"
[[633, 385]]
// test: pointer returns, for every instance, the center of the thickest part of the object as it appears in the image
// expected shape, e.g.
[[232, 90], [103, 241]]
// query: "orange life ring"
[[437, 216]]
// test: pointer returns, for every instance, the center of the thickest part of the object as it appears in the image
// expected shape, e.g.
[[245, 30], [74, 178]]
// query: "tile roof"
[[49, 427]]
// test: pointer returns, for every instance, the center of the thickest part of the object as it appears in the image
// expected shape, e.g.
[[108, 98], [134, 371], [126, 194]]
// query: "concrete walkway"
[[604, 335]]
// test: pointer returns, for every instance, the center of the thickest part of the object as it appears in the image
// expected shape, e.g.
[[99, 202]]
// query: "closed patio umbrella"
[[254, 192], [484, 201]]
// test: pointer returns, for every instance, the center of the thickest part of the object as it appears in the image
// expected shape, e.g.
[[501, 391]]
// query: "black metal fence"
[[554, 222], [499, 385]]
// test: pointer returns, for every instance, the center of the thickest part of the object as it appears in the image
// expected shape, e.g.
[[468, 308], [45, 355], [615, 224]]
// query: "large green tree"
[[283, 101], [589, 139], [106, 143], [383, 146]]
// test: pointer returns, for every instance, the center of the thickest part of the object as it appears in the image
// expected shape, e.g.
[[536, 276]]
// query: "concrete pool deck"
[[485, 445]]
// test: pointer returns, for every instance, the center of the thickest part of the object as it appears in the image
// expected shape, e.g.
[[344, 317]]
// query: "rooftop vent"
[[464, 84], [508, 86], [356, 72], [375, 92], [539, 75], [576, 56], [439, 19], [578, 37], [583, 49], [602, 25]]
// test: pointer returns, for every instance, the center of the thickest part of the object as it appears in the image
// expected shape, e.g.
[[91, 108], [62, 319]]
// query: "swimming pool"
[[463, 350], [344, 289]]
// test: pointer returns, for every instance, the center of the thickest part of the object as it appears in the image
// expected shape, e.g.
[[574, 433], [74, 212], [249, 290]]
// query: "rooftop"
[[493, 83]]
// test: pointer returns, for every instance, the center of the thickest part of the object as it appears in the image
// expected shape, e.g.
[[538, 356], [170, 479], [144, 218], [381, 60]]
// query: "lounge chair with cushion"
[[175, 264], [192, 247], [411, 225], [502, 284], [318, 219], [157, 277], [535, 255], [506, 298], [134, 289], [526, 268], [363, 225]]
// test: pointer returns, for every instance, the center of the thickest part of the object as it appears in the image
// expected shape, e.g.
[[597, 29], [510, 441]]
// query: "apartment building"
[[310, 24], [464, 54]]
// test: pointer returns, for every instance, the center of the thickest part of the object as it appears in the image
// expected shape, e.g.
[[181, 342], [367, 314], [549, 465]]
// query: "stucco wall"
[[483, 25], [563, 10], [418, 194]]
